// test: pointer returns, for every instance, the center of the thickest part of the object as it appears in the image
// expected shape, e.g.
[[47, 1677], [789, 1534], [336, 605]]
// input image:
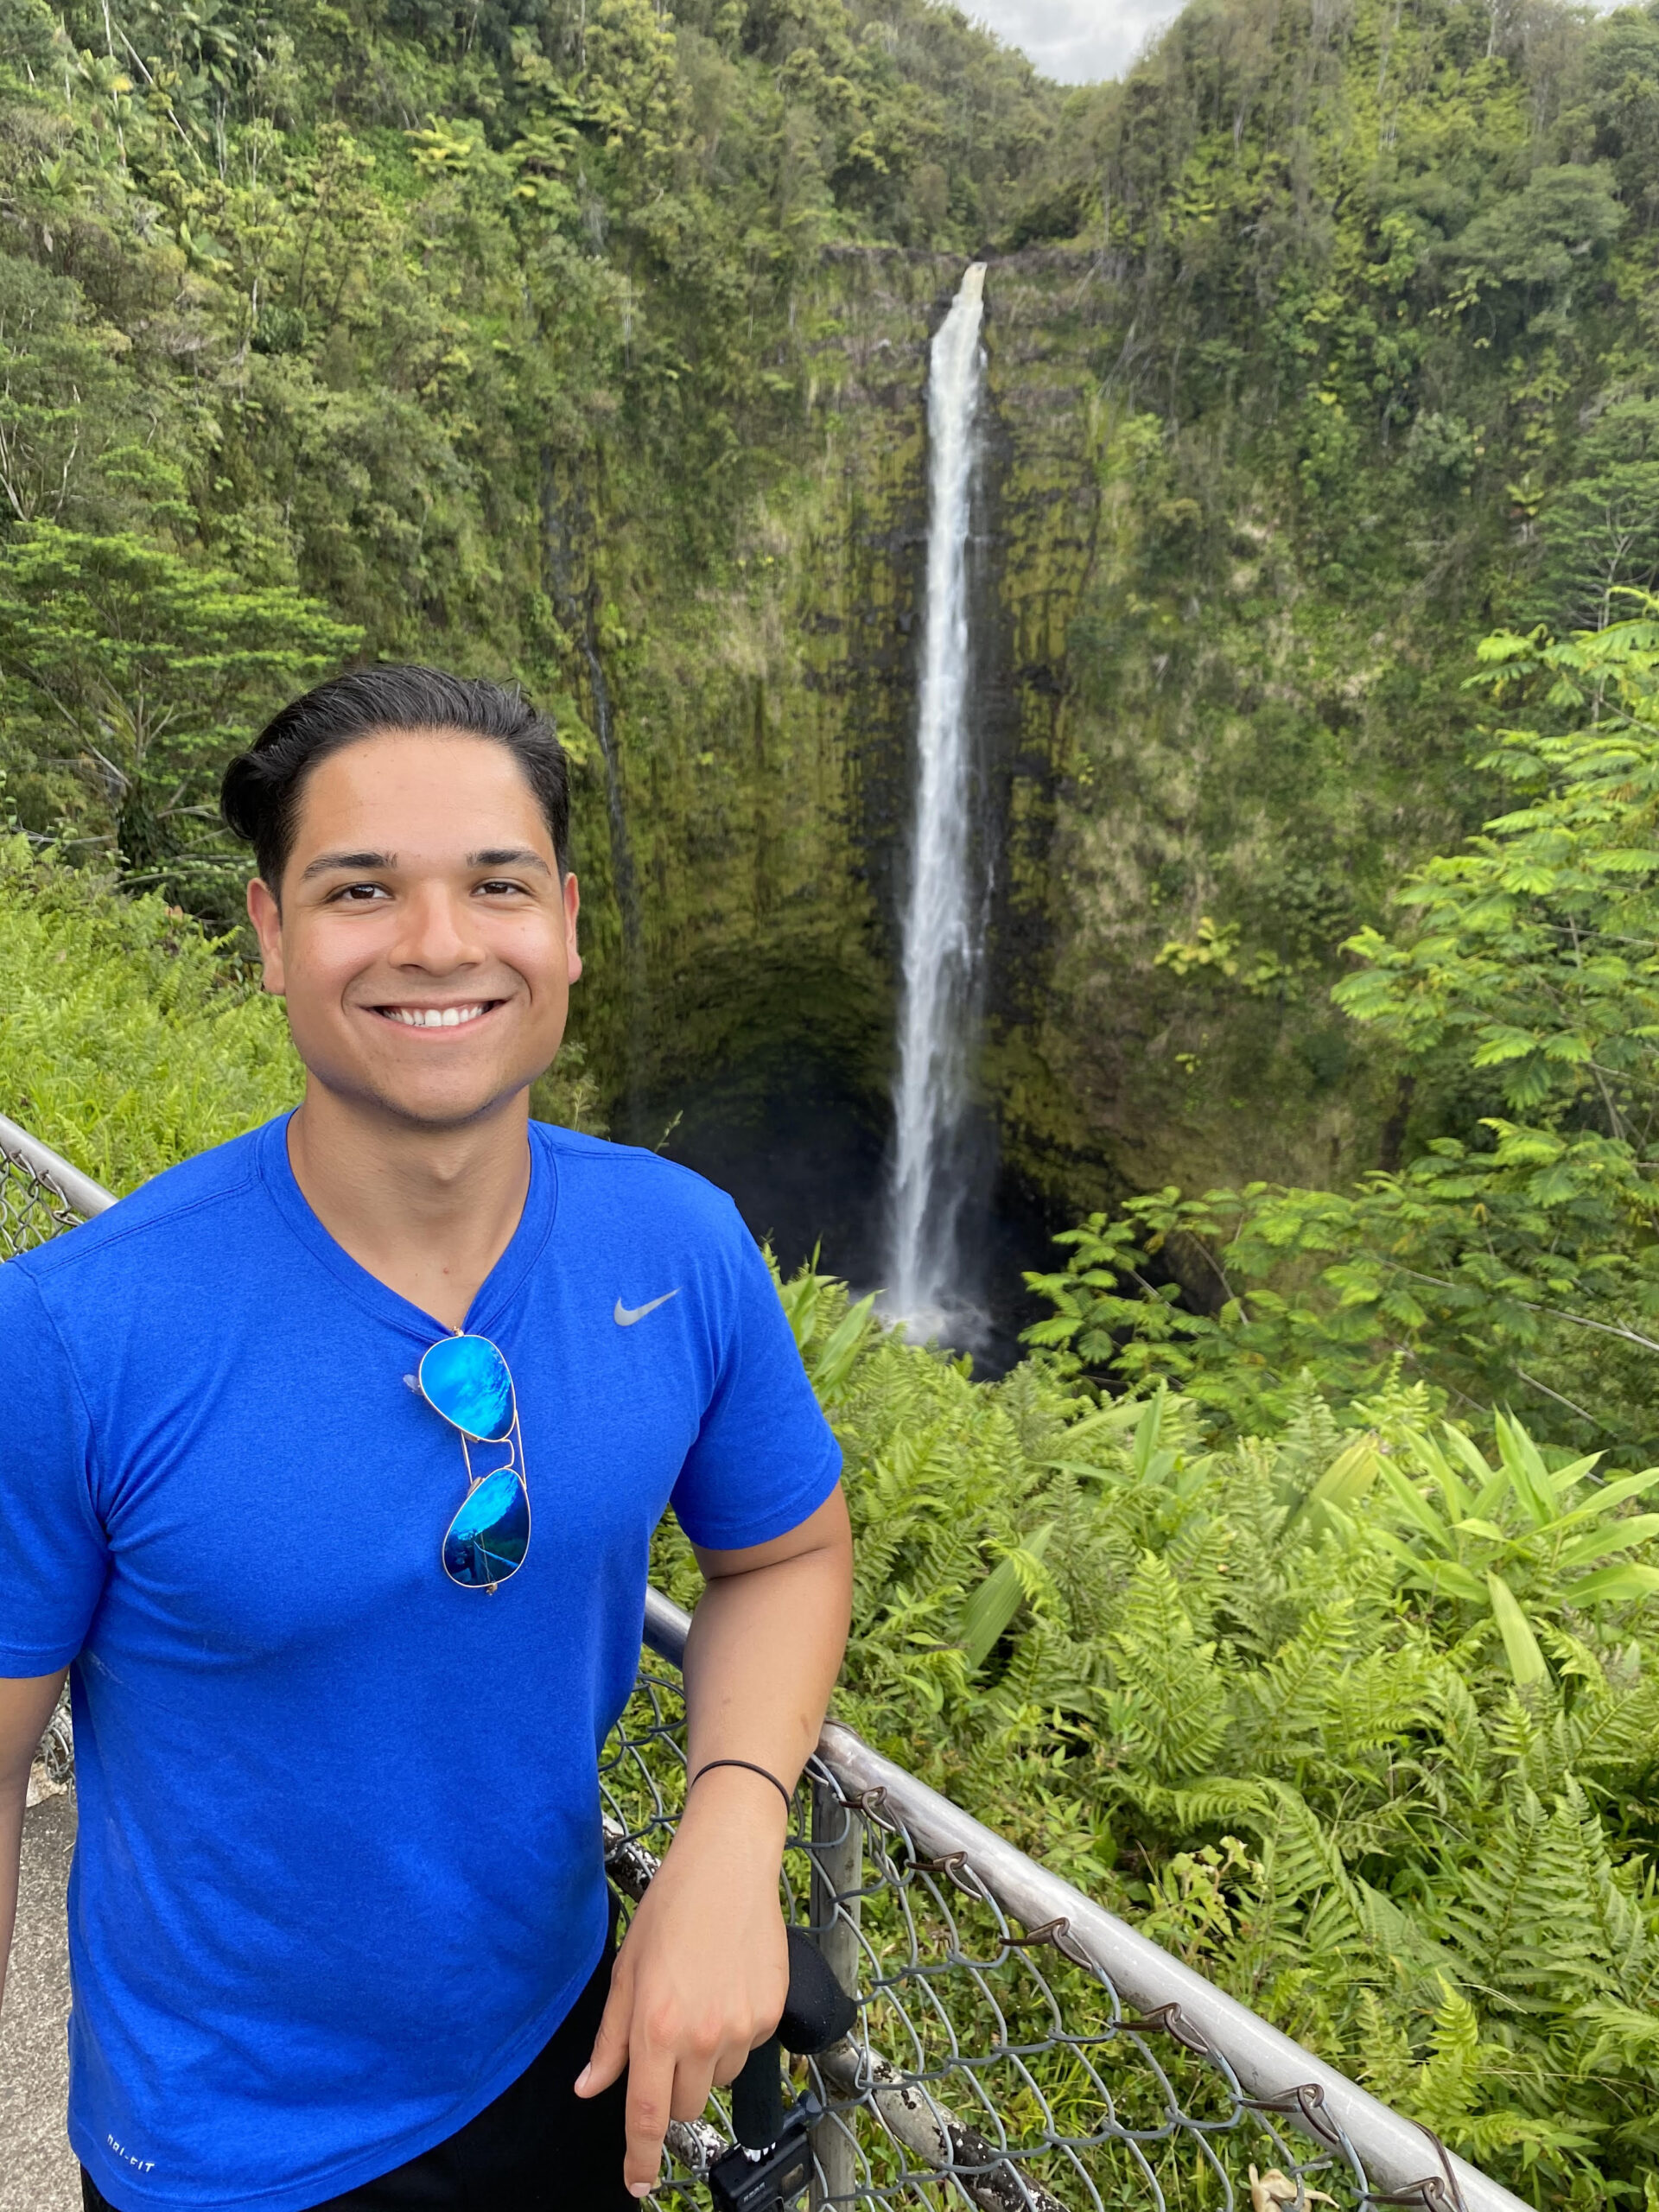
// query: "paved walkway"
[[37, 2171]]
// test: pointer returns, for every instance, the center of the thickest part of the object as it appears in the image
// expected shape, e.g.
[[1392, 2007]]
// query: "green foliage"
[[1374, 336], [126, 1041], [144, 671], [1514, 1258], [491, 337], [1264, 1697], [1533, 950], [549, 343]]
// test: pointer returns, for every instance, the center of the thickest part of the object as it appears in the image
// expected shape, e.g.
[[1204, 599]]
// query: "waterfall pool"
[[806, 1158]]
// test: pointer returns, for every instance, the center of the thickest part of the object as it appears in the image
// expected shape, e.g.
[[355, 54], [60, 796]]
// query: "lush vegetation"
[[323, 331], [1354, 1709], [1511, 1261], [1362, 1722], [1373, 363], [1295, 1592], [126, 1043], [581, 344]]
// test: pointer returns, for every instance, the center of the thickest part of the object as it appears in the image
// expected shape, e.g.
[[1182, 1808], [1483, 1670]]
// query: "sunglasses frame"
[[512, 1436]]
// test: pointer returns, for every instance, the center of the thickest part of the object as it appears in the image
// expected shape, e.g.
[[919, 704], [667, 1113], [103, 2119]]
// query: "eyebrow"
[[508, 856], [372, 863], [325, 863]]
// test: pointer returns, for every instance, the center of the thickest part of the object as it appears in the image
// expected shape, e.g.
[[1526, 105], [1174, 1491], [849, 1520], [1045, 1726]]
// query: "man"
[[331, 1462]]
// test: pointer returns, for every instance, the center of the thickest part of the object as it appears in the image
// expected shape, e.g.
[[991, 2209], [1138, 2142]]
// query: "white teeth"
[[432, 1017]]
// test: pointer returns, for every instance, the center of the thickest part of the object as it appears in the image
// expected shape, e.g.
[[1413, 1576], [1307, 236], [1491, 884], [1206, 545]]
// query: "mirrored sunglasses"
[[466, 1380]]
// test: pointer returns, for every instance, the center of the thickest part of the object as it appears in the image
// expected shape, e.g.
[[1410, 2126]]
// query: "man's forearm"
[[762, 1656], [25, 1709], [701, 1976], [14, 1795]]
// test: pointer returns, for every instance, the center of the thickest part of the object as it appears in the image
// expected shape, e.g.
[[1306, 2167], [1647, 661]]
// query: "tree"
[[147, 670], [1602, 529], [63, 404], [1539, 242], [1517, 1257]]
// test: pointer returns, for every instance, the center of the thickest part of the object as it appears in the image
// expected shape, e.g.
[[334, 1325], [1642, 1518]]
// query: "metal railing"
[[1018, 2048]]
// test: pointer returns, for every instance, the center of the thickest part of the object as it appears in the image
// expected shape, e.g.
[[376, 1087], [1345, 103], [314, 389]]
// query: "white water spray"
[[941, 925]]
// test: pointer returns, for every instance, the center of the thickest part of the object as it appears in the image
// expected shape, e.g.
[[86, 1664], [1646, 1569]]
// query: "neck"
[[429, 1212]]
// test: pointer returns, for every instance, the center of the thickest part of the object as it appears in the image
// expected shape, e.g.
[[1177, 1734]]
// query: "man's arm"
[[701, 1976], [25, 1709]]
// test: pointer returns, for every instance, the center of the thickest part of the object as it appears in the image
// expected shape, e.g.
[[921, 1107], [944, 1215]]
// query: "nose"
[[439, 933]]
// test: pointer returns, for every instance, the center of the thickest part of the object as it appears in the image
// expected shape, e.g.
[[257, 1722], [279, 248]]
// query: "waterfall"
[[943, 913]]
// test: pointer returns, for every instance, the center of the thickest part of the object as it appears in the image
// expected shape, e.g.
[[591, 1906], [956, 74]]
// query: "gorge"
[[591, 348], [1282, 930]]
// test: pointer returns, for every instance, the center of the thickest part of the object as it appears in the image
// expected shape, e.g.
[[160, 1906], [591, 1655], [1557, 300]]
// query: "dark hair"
[[260, 796]]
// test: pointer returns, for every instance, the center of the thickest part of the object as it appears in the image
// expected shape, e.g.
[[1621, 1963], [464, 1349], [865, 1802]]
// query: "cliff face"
[[763, 728], [1345, 360], [762, 732]]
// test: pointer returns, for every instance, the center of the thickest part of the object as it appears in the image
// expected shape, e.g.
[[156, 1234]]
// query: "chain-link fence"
[[999, 2062], [34, 1203], [1017, 2048]]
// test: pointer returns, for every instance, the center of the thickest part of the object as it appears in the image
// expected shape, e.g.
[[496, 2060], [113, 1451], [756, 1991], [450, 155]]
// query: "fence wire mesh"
[[992, 2067], [32, 1207]]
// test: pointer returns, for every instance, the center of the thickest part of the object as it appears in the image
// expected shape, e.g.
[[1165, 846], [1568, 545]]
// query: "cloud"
[[1080, 41], [1077, 41]]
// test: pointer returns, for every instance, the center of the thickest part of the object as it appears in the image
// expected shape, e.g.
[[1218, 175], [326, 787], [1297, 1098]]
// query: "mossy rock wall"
[[763, 728]]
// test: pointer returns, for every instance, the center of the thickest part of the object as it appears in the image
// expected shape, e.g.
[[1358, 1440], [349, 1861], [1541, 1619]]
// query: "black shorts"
[[537, 2148]]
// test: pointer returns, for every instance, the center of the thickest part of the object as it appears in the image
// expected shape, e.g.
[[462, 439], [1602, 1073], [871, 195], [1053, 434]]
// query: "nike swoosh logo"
[[625, 1316]]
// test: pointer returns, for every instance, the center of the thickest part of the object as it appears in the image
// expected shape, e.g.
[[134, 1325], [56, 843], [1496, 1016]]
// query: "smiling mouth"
[[436, 1017]]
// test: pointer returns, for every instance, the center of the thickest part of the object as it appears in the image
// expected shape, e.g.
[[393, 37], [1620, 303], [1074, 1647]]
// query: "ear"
[[267, 919], [571, 892]]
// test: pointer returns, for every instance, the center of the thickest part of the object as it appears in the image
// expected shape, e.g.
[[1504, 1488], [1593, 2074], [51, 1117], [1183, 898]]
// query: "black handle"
[[817, 2011], [758, 2098]]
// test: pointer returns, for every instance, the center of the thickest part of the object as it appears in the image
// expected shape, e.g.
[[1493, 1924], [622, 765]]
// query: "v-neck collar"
[[498, 1287]]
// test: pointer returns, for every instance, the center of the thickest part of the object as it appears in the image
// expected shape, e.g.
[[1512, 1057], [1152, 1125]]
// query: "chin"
[[449, 1109], [451, 1102]]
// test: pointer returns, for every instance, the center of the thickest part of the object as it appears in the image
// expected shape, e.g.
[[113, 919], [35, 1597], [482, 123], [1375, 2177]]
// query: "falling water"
[[941, 924]]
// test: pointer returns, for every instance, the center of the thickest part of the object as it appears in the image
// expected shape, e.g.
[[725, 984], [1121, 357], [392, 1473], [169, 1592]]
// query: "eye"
[[494, 885], [357, 894]]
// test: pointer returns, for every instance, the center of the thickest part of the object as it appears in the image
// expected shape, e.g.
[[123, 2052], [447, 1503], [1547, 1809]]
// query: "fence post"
[[837, 1872]]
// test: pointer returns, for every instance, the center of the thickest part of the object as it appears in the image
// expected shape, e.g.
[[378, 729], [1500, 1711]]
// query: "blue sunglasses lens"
[[488, 1538], [466, 1379]]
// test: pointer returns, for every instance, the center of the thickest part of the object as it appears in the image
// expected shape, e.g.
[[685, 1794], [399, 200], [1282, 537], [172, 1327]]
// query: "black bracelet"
[[765, 1772]]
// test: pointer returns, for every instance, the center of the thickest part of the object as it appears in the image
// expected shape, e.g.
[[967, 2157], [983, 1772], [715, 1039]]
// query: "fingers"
[[610, 2053], [678, 2021], [671, 2073], [651, 2101]]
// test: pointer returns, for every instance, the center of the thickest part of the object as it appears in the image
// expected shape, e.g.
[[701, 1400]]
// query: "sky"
[[1075, 41]]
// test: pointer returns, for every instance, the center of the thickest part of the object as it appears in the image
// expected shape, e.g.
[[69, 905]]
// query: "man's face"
[[425, 943]]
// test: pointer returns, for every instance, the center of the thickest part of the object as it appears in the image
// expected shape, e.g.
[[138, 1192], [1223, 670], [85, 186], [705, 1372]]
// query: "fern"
[[1239, 1722], [1167, 1707]]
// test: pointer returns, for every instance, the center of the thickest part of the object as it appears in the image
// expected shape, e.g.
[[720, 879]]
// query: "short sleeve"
[[53, 1555], [765, 1459]]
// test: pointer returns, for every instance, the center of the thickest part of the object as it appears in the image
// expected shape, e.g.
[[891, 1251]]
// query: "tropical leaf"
[[1526, 1662], [992, 1607]]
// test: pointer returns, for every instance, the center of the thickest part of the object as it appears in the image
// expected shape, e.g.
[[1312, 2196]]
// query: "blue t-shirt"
[[338, 1872]]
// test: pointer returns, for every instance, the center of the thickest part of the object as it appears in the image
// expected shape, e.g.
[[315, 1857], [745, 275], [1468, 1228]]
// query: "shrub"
[[1362, 1722]]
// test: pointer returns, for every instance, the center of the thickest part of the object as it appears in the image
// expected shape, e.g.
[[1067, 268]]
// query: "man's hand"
[[702, 1975]]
